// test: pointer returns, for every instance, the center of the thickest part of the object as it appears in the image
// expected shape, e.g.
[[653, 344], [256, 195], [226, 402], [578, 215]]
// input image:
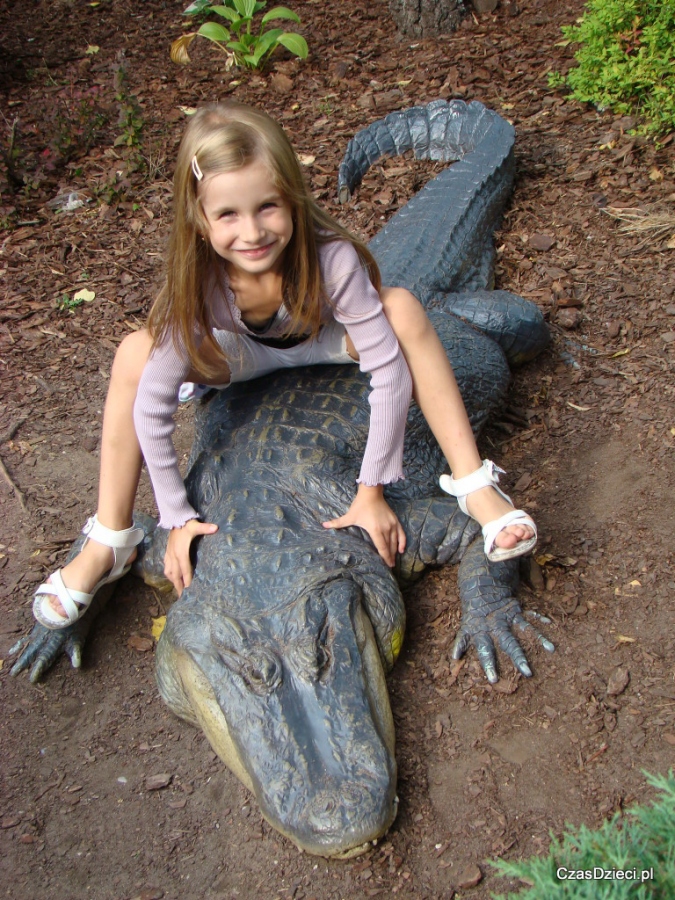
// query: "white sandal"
[[76, 603], [488, 476]]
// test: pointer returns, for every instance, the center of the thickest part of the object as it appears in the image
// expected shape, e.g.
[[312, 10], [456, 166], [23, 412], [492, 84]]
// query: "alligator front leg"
[[490, 612], [43, 647]]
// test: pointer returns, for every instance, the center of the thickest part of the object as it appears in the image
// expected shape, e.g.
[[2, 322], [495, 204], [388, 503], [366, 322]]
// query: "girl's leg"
[[436, 393], [120, 465]]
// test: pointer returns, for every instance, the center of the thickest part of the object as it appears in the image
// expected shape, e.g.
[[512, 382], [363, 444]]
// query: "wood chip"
[[157, 782]]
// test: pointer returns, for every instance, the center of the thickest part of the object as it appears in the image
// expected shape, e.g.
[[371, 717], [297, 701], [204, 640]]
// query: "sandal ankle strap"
[[486, 476], [117, 540]]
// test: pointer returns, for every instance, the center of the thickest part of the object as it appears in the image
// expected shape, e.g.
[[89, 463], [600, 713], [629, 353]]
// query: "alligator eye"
[[262, 672]]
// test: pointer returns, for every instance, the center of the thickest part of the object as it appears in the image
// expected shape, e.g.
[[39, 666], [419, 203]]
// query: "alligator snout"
[[293, 698]]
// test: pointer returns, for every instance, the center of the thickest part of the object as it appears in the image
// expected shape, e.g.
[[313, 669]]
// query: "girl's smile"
[[250, 222]]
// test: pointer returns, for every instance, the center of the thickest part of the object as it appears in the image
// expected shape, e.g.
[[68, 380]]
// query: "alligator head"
[[294, 701]]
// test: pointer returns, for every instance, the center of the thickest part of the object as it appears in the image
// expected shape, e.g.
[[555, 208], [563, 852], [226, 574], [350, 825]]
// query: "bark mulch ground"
[[88, 139]]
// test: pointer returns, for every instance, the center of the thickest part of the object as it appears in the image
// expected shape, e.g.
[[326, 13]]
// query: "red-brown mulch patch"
[[588, 442]]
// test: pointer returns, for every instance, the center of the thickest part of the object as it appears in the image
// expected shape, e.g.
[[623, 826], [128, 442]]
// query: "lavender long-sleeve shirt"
[[354, 303]]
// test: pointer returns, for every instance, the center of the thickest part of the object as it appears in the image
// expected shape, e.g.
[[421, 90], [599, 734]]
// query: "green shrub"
[[626, 60], [643, 842], [249, 48]]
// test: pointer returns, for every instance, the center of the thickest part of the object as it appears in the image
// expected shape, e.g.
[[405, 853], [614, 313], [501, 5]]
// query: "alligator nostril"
[[329, 810]]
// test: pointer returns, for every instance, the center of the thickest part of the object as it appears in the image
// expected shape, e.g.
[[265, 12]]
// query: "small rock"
[[341, 69], [178, 804], [136, 642], [27, 839], [89, 443], [668, 337], [614, 328], [568, 318], [469, 877], [618, 681], [484, 6], [10, 822], [542, 242], [157, 782]]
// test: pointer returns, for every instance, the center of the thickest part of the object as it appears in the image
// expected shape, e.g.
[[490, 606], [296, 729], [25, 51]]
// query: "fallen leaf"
[[187, 110], [624, 639], [158, 626], [92, 49], [505, 687], [307, 159], [85, 294], [655, 174], [523, 482], [580, 408], [281, 83], [671, 243], [620, 353]]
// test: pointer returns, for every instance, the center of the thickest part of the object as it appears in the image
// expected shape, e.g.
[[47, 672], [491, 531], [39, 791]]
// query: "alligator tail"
[[442, 239]]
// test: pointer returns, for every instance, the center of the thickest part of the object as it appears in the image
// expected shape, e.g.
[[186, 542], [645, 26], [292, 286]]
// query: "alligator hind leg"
[[514, 323]]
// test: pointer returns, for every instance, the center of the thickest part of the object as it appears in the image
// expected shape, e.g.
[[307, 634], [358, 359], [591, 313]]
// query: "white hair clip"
[[195, 168]]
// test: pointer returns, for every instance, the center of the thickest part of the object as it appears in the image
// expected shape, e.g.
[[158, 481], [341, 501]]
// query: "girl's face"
[[250, 223]]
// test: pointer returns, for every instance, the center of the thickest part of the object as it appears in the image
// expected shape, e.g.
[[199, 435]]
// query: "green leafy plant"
[[241, 43], [626, 60], [642, 847]]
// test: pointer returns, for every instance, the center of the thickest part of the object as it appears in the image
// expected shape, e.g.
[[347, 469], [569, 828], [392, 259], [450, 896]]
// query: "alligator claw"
[[491, 613], [43, 647]]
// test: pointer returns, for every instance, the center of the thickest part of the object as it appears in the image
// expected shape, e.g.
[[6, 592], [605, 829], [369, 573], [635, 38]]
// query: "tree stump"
[[426, 18]]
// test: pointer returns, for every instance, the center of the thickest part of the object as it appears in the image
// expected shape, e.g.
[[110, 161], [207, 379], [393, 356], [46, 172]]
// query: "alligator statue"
[[279, 648]]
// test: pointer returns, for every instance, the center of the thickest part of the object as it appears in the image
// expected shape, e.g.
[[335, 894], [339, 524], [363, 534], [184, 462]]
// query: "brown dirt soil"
[[484, 771]]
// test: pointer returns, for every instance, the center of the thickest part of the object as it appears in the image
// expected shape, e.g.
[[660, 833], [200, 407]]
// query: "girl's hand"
[[372, 512], [177, 564]]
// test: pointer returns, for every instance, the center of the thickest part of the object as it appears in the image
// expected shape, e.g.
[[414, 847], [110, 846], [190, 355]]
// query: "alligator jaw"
[[295, 703]]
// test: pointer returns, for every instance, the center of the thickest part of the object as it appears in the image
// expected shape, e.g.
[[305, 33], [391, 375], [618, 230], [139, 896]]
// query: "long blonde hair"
[[223, 137]]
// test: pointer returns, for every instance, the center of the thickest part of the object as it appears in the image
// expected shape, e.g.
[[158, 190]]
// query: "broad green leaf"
[[214, 32], [267, 41], [295, 43], [225, 12], [280, 12], [245, 7], [196, 7], [238, 47], [260, 6], [270, 37]]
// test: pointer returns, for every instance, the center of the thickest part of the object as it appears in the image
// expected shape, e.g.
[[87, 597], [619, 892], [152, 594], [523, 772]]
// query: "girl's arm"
[[156, 403], [357, 306]]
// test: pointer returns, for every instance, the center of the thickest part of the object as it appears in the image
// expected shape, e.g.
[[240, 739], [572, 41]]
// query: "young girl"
[[260, 278]]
